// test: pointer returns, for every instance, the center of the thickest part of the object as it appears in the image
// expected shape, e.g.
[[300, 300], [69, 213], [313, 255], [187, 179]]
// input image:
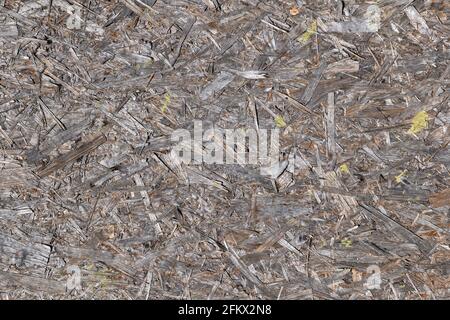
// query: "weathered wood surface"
[[91, 92]]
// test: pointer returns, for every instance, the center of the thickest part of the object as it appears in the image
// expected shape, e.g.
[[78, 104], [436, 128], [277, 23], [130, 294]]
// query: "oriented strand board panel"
[[212, 149]]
